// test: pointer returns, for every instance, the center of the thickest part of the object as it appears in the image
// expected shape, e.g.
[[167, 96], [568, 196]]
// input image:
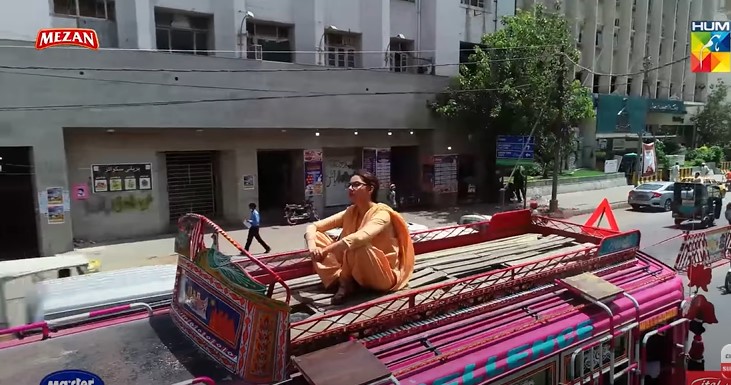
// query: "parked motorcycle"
[[299, 213]]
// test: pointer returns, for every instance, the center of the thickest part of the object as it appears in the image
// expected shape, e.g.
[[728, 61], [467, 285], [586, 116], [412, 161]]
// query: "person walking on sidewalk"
[[675, 173], [519, 183], [727, 214], [254, 223]]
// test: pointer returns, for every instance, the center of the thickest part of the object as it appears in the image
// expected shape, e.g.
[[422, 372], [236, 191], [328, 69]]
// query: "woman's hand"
[[317, 254]]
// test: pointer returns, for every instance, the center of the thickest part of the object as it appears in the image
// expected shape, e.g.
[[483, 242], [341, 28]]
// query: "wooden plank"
[[434, 277], [535, 244], [496, 244], [554, 253], [443, 264]]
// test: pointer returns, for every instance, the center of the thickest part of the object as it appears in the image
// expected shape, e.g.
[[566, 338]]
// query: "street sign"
[[512, 146]]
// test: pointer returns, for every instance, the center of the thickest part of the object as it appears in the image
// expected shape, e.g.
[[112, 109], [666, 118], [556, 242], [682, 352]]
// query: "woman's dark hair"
[[371, 181]]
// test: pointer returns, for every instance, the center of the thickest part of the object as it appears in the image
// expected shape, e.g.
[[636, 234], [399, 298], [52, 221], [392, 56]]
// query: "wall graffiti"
[[114, 203], [338, 170]]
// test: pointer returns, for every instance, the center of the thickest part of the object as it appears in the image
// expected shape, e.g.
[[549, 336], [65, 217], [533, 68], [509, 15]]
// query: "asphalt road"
[[656, 227]]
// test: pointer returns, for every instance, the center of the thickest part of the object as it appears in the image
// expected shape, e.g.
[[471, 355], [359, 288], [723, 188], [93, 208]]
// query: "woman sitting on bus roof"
[[374, 249]]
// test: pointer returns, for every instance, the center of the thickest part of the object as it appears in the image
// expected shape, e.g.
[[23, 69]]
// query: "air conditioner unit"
[[256, 48]]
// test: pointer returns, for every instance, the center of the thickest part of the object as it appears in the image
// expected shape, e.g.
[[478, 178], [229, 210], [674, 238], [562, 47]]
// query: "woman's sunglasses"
[[355, 185]]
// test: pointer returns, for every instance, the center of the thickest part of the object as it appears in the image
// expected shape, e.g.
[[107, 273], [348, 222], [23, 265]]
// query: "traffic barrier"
[[657, 176], [686, 172]]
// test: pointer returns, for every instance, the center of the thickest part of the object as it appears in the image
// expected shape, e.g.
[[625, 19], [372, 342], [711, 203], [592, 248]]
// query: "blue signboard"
[[515, 147]]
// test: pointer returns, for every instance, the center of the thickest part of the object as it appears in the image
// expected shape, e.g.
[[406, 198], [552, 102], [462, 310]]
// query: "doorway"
[[406, 171], [281, 181], [192, 184], [19, 236]]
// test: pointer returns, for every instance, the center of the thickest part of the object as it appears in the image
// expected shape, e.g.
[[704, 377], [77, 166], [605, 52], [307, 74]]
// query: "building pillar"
[[696, 7], [606, 54], [440, 35], [588, 40], [682, 41], [136, 24], [375, 17], [227, 16], [309, 29], [653, 49], [624, 45], [670, 9], [571, 10], [708, 12], [639, 45]]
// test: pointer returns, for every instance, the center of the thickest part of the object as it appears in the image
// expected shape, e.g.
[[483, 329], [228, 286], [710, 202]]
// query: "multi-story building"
[[208, 105], [636, 37]]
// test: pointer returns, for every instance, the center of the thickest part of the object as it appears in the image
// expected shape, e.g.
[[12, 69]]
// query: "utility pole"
[[553, 204]]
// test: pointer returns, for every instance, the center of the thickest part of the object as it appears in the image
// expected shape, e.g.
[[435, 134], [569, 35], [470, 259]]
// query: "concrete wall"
[[93, 219], [436, 27], [101, 100]]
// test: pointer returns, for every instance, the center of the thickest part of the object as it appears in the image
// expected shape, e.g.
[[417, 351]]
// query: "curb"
[[566, 213], [615, 205]]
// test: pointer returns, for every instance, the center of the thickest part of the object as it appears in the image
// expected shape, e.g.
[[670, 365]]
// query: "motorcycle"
[[298, 213]]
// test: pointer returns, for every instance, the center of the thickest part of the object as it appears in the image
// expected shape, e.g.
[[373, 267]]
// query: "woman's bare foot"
[[344, 290]]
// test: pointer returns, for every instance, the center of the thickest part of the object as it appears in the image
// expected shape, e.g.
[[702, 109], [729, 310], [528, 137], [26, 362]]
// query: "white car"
[[473, 218], [413, 227]]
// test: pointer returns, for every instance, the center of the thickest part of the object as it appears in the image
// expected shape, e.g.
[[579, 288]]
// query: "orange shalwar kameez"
[[380, 254]]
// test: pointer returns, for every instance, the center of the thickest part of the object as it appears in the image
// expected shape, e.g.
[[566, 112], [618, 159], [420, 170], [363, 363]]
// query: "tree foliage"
[[712, 123], [513, 83]]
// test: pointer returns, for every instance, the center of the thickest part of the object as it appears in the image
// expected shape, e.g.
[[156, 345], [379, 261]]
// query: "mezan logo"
[[80, 37]]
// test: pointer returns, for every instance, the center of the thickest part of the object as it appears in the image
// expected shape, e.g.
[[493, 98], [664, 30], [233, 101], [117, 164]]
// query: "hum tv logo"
[[710, 46]]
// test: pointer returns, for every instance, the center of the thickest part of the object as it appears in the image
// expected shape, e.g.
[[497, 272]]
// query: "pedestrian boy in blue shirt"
[[254, 222]]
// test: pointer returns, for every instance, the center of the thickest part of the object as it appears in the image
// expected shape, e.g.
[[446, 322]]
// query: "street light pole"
[[553, 204]]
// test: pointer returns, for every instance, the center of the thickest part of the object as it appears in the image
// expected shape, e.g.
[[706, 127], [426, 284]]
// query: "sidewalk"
[[286, 238]]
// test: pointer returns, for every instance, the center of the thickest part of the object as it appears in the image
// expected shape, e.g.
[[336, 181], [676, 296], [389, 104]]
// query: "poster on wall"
[[370, 159], [338, 170], [80, 191], [56, 202], [313, 156], [247, 182], [445, 174], [649, 159], [313, 172], [121, 177], [383, 167]]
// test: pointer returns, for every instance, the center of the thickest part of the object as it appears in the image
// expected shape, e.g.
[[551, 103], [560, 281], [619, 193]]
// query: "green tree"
[[513, 85], [712, 123]]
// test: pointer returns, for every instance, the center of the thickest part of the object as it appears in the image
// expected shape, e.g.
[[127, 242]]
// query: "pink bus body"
[[532, 332], [500, 355]]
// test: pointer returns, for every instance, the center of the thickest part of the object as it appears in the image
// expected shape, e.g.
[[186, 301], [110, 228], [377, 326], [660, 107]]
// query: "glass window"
[[649, 187], [201, 43], [163, 39], [182, 41]]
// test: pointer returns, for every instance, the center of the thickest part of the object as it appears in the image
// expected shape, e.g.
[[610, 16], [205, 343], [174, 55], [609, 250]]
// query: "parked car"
[[473, 218], [413, 227], [655, 195]]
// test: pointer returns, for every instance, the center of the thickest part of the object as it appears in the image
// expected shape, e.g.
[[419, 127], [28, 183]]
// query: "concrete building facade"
[[240, 81]]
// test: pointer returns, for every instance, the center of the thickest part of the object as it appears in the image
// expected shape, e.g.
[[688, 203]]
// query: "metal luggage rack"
[[372, 317]]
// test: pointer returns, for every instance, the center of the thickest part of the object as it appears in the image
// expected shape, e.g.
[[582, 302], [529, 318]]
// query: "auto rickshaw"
[[708, 180], [697, 201]]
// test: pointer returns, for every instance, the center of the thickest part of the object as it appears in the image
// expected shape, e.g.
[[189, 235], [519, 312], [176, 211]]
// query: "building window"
[[598, 39], [100, 9], [629, 85], [474, 3], [400, 54], [183, 33], [269, 42], [341, 49]]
